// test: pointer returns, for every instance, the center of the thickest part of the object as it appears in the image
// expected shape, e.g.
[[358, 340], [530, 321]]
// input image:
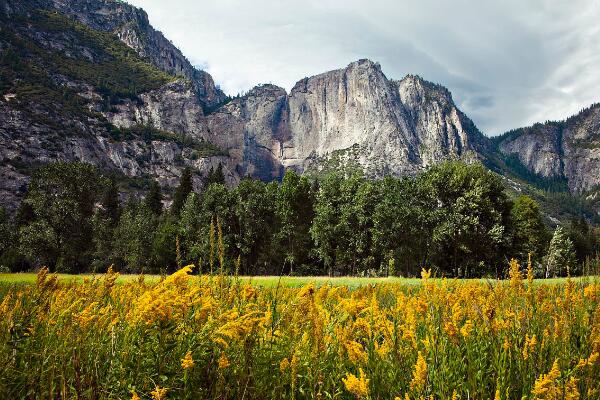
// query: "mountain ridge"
[[115, 92]]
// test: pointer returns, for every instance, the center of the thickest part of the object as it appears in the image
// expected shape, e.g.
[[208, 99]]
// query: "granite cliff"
[[567, 150], [92, 80]]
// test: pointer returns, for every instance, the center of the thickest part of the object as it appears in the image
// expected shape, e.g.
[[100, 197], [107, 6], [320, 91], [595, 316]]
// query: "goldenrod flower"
[[356, 354], [223, 361], [357, 386], [545, 385], [134, 396], [425, 273], [571, 390], [420, 373], [159, 393], [284, 364], [467, 328], [187, 361]]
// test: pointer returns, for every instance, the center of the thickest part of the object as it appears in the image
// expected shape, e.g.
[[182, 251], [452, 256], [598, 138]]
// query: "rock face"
[[569, 150], [133, 28], [349, 117], [52, 109]]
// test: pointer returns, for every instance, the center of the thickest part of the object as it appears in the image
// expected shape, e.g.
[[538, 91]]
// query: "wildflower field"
[[220, 337]]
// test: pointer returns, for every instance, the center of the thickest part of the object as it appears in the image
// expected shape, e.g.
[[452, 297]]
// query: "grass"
[[214, 337], [22, 278]]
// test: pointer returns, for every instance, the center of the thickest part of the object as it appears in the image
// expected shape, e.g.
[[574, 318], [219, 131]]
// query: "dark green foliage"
[[342, 226], [9, 255], [403, 224], [584, 238], [294, 211], [215, 176], [110, 205], [183, 190], [133, 238], [62, 197], [471, 218], [163, 245], [530, 235], [454, 218], [255, 226], [201, 148], [154, 198]]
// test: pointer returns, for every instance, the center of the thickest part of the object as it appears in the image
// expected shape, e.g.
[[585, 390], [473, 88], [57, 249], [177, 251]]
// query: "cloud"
[[507, 63]]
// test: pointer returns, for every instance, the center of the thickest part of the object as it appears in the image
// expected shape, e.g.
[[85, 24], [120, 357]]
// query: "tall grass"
[[222, 337]]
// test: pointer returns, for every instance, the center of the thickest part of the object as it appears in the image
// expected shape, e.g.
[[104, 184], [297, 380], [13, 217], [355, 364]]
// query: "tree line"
[[455, 218]]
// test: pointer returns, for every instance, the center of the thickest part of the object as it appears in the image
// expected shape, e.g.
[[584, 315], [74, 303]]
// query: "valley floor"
[[270, 281]]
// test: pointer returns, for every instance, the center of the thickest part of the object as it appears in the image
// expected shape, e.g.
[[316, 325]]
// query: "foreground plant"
[[213, 337]]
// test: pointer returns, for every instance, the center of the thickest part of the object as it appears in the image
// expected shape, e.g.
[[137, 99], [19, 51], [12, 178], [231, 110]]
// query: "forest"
[[454, 218]]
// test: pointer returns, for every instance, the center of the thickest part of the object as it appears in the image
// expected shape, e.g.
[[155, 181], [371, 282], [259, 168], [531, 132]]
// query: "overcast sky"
[[507, 63]]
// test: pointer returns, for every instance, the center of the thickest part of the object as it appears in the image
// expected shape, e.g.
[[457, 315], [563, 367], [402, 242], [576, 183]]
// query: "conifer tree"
[[183, 190], [153, 199]]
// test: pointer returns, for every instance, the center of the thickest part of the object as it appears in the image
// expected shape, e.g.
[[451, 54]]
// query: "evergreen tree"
[[294, 211], [183, 190], [215, 176], [111, 205], [134, 237], [154, 198]]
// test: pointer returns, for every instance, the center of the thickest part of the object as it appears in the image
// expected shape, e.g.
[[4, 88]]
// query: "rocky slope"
[[74, 87], [567, 150], [353, 117], [91, 80]]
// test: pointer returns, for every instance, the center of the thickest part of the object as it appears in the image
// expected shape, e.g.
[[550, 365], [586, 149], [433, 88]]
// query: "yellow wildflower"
[[356, 354], [357, 386], [425, 274], [187, 361], [223, 362], [159, 393], [545, 385], [529, 345], [134, 396], [467, 328], [284, 364], [571, 390], [420, 373]]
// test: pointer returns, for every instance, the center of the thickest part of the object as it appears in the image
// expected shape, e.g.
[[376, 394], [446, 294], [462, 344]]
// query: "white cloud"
[[507, 63]]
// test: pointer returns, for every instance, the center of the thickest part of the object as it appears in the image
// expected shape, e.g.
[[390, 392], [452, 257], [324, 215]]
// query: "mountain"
[[92, 80], [567, 151], [352, 117]]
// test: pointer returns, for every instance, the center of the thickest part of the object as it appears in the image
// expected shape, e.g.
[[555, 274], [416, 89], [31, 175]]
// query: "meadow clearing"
[[185, 336]]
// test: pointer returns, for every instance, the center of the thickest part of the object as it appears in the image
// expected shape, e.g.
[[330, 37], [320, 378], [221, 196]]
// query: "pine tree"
[[111, 204], [183, 190], [154, 198], [215, 176]]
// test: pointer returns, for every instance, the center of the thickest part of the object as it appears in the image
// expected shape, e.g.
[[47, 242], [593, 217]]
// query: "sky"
[[508, 63]]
